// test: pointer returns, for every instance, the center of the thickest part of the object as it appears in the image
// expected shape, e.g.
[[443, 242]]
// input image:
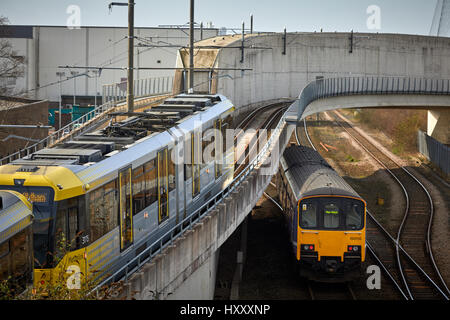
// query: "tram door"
[[163, 185], [125, 208]]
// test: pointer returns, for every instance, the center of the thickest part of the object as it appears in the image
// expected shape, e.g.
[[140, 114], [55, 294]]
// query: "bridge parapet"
[[348, 86]]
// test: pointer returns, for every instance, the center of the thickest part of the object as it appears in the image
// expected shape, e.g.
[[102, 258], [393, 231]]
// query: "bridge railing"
[[78, 126], [344, 86], [142, 88]]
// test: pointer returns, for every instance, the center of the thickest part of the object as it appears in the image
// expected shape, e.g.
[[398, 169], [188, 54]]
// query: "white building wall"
[[54, 46]]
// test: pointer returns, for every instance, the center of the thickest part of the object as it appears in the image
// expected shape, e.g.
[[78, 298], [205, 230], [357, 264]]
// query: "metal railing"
[[78, 126], [169, 237], [344, 86], [142, 87], [435, 151]]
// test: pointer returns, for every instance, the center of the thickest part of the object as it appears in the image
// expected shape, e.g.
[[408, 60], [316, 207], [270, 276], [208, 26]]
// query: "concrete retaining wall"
[[310, 55]]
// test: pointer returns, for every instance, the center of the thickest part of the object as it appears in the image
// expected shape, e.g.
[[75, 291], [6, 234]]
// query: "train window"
[[331, 216], [187, 158], [151, 184], [103, 206], [171, 164], [138, 190], [4, 260], [218, 141], [4, 249], [163, 182], [20, 253], [354, 215], [206, 152], [42, 236], [66, 226], [308, 214], [196, 160]]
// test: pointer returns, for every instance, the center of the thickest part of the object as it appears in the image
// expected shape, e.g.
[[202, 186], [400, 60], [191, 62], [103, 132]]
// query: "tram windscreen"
[[43, 212], [331, 213]]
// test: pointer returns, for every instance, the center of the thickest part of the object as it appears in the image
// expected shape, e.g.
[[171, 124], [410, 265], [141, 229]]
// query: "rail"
[[345, 86]]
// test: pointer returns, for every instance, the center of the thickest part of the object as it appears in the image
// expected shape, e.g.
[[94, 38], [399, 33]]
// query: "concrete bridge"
[[377, 71], [330, 71]]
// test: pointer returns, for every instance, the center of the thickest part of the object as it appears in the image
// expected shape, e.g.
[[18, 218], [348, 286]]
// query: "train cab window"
[[308, 214], [66, 225], [354, 215], [331, 216], [43, 240]]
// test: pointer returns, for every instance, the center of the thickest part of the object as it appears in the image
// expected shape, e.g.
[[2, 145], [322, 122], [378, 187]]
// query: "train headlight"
[[353, 248], [307, 247]]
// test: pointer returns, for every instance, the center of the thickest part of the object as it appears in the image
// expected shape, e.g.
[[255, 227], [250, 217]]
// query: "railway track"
[[261, 119], [387, 251], [419, 273]]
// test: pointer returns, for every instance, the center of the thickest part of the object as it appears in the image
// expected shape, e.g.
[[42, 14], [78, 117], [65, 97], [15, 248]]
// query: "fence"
[[435, 151], [322, 88], [142, 87]]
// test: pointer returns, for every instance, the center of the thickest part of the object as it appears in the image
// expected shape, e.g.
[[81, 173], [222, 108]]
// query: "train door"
[[163, 185], [218, 140], [125, 208]]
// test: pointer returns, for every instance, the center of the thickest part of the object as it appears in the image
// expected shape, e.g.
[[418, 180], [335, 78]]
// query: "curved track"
[[414, 230]]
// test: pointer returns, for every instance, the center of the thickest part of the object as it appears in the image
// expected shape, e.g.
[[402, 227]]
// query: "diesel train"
[[99, 200], [325, 217]]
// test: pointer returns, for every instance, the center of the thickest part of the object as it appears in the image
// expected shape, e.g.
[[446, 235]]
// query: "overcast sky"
[[395, 16]]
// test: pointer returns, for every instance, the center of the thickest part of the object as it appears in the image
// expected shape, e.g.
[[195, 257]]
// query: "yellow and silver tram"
[[104, 197]]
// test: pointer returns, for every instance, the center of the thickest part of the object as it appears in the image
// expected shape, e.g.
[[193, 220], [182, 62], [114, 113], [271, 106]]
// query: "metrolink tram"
[[100, 199]]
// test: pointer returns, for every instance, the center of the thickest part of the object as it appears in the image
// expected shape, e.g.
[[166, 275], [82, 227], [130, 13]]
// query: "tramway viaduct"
[[369, 70]]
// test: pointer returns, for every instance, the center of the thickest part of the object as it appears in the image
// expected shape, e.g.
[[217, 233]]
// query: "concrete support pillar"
[[438, 125]]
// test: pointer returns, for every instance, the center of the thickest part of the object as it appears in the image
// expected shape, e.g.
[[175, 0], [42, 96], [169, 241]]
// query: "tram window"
[[103, 206], [187, 158], [20, 253], [42, 228], [196, 160], [227, 123], [4, 260], [308, 214], [354, 215], [138, 190], [331, 216], [151, 184], [171, 165]]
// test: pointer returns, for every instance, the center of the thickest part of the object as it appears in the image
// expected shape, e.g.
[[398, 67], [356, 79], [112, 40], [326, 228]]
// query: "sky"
[[392, 16]]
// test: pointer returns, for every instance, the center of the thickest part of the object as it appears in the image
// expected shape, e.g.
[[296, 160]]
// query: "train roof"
[[94, 157], [309, 174]]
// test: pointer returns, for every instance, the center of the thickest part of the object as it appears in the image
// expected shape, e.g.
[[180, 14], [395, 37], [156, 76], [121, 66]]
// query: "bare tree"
[[11, 64]]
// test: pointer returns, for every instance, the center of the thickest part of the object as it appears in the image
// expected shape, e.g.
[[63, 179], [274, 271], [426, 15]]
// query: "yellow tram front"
[[331, 237], [54, 194]]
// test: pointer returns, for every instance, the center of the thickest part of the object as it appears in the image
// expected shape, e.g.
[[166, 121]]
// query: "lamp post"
[[130, 80], [191, 48]]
